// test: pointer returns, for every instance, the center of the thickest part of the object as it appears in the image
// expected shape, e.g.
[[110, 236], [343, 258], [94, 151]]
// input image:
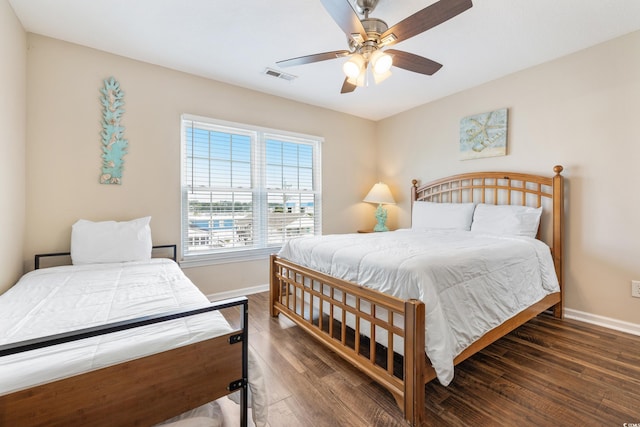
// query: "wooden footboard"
[[140, 392], [368, 326]]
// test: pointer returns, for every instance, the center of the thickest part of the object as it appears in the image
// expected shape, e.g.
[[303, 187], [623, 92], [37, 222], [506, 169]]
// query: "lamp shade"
[[380, 194], [381, 62], [379, 78], [353, 66], [360, 80]]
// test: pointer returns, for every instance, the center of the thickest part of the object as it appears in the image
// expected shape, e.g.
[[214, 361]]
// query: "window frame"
[[258, 188]]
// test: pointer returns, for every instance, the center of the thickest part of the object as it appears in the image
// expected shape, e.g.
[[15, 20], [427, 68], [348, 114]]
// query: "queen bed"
[[483, 256], [116, 343]]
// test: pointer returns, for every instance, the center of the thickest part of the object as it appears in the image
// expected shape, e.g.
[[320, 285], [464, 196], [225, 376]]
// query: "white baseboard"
[[607, 322], [238, 292]]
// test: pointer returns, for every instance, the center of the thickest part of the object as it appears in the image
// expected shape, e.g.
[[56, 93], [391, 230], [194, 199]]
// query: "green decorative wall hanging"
[[114, 146]]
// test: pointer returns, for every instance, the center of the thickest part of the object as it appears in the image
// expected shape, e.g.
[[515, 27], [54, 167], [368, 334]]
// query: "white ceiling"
[[234, 40]]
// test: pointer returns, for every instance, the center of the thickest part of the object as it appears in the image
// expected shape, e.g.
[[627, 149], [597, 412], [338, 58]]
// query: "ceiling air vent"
[[279, 75]]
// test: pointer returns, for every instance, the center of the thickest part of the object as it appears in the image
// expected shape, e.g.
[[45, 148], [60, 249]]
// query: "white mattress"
[[61, 299], [469, 282]]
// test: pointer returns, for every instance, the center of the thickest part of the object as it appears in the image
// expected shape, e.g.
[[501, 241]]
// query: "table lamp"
[[380, 194]]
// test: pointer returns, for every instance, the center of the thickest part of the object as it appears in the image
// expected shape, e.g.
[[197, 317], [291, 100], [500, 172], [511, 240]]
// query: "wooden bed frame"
[[306, 296], [140, 392]]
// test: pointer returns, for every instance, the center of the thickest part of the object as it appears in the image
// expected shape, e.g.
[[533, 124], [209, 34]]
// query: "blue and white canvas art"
[[484, 135]]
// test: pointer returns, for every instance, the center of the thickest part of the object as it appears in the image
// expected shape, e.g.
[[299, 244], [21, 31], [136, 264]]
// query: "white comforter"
[[469, 282]]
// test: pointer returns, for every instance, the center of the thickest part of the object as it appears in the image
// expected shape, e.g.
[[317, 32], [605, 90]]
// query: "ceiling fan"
[[368, 36]]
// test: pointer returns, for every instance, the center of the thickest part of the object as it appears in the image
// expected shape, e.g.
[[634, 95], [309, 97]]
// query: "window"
[[245, 190]]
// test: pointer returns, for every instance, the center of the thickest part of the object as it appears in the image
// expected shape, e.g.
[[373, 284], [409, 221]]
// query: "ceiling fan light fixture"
[[379, 78], [361, 79], [381, 62], [353, 67]]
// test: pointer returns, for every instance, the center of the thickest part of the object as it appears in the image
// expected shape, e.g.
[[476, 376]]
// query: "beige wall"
[[13, 57], [63, 150], [580, 111]]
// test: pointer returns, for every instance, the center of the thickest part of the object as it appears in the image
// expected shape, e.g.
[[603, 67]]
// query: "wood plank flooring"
[[548, 372]]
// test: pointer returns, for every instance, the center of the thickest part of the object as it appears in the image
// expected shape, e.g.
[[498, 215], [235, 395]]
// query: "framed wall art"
[[114, 146], [484, 135]]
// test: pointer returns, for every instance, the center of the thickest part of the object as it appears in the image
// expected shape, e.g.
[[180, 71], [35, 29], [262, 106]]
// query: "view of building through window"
[[246, 188]]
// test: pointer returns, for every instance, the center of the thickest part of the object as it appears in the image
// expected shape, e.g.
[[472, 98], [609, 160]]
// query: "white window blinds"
[[245, 190]]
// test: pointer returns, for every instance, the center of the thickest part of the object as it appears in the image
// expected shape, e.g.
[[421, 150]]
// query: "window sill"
[[192, 261]]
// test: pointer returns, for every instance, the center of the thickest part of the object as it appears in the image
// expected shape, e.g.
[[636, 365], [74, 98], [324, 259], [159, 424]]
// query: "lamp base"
[[381, 217], [379, 227]]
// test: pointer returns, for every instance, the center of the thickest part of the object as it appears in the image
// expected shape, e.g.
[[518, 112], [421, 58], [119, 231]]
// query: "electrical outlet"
[[635, 288]]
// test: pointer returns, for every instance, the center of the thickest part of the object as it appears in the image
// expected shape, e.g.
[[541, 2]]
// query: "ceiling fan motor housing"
[[374, 28]]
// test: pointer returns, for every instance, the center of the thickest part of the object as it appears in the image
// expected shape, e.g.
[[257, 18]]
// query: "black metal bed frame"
[[242, 337], [36, 258]]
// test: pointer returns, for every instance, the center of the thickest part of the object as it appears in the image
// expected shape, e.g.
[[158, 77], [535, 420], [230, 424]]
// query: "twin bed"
[[117, 343], [406, 306]]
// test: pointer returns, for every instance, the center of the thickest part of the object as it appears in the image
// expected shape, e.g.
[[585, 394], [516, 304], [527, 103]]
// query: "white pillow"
[[510, 220], [110, 241], [441, 216]]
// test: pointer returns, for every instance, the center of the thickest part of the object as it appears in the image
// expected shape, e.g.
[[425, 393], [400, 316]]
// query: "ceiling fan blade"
[[308, 59], [347, 87], [426, 18], [346, 18], [412, 62]]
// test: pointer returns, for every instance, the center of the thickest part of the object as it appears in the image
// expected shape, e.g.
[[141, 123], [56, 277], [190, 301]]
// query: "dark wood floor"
[[548, 372]]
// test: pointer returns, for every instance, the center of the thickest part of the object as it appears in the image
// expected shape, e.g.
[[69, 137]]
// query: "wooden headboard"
[[507, 188]]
